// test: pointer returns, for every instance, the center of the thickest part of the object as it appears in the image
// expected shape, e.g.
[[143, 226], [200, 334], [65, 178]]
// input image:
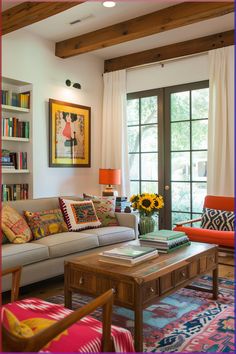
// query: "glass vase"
[[146, 224]]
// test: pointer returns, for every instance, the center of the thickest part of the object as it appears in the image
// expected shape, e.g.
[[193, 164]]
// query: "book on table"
[[163, 235], [166, 247], [128, 255]]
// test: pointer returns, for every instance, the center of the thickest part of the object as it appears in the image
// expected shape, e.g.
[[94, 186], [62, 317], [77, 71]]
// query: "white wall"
[[29, 58], [176, 72]]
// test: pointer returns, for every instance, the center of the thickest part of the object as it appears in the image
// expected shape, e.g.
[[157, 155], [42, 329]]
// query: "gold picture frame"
[[69, 134]]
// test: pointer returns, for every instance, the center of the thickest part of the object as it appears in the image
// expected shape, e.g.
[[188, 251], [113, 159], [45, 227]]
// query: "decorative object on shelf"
[[73, 84], [69, 134], [147, 204], [109, 176]]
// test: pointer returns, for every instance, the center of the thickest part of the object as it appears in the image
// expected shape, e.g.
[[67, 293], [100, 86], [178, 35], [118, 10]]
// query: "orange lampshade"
[[109, 176]]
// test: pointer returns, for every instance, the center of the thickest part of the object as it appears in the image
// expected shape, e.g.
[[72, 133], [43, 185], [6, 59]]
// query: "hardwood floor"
[[55, 286]]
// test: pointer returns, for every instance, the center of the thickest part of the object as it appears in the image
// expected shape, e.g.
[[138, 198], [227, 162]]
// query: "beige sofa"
[[44, 258]]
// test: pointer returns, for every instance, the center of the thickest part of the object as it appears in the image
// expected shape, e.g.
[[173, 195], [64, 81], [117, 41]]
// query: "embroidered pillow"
[[45, 223], [79, 215], [220, 220], [14, 226], [105, 209]]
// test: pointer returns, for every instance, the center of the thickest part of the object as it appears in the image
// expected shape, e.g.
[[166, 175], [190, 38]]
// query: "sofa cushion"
[[109, 235], [68, 242], [46, 222], [79, 215], [105, 209], [23, 254], [14, 226]]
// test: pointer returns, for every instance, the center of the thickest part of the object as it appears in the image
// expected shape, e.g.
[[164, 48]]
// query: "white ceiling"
[[94, 16]]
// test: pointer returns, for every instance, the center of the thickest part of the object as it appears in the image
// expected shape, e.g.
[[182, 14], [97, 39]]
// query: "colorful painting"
[[69, 134]]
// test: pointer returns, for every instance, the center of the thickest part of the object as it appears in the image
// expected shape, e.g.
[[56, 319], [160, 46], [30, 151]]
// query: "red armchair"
[[225, 239]]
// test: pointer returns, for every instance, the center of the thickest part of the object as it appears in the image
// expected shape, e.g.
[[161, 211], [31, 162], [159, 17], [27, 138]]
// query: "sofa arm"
[[128, 220]]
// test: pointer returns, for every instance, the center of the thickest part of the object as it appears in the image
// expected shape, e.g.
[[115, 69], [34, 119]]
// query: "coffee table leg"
[[138, 322], [215, 283], [68, 298]]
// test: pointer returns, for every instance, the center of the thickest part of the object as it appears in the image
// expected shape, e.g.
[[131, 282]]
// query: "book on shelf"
[[128, 262], [128, 251], [163, 235], [14, 128], [15, 160], [11, 192], [16, 99]]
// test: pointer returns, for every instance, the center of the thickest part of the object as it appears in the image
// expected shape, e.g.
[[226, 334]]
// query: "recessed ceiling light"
[[109, 3]]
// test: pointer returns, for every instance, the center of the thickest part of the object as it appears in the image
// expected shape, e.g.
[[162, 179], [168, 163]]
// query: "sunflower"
[[146, 202], [134, 198], [158, 202]]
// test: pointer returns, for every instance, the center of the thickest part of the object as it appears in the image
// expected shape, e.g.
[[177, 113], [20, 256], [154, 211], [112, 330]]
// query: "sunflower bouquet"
[[146, 203]]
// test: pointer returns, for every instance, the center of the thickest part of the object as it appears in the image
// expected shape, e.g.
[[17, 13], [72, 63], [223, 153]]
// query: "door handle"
[[167, 188]]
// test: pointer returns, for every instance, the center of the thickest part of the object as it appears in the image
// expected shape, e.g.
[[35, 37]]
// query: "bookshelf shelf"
[[15, 109], [17, 140], [8, 138], [12, 171]]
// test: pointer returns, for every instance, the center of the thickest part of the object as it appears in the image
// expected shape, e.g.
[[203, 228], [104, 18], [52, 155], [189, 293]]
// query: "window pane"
[[134, 187], [180, 196], [180, 166], [177, 217], [149, 166], [149, 187], [199, 193], [180, 106], [133, 139], [133, 112], [134, 166], [180, 136], [199, 165], [200, 103], [196, 216], [149, 110], [199, 134], [149, 138]]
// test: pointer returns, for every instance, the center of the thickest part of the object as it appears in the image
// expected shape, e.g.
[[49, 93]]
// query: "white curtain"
[[114, 127], [220, 179]]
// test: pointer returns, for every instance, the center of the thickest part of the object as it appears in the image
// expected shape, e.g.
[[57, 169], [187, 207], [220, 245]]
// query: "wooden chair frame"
[[12, 343]]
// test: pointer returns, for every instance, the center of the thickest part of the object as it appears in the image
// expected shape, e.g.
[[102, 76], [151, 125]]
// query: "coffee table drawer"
[[181, 275], [84, 281], [150, 290], [211, 260], [166, 283], [124, 291]]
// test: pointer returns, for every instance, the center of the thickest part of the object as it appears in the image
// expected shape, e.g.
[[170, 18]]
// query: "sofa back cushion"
[[14, 226], [79, 215], [46, 222]]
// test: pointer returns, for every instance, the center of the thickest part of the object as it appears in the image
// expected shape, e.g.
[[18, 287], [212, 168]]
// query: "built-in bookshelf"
[[17, 147]]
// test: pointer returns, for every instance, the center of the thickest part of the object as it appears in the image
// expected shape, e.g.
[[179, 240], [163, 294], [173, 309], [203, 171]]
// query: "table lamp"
[[109, 176]]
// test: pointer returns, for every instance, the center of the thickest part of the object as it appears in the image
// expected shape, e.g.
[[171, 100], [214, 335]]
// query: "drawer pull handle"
[[183, 274], [152, 290], [114, 290], [81, 280]]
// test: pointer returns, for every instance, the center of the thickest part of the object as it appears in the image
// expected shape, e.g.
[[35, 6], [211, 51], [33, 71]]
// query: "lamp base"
[[109, 192]]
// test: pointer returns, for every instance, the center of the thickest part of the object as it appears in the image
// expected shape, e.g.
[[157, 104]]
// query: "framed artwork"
[[69, 134]]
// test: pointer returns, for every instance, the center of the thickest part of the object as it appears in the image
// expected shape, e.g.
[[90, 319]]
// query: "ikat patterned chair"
[[33, 325], [218, 217]]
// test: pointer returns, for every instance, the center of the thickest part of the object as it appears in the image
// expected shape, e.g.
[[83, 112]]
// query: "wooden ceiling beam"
[[171, 51], [27, 13], [163, 20]]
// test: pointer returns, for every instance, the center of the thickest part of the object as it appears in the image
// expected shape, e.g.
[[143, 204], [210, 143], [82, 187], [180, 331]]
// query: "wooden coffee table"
[[142, 285]]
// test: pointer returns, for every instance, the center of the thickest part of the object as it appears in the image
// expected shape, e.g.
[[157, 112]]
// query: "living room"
[[137, 86]]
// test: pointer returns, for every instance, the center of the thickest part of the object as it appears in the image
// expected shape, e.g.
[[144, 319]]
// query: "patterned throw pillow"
[[105, 209], [220, 220], [79, 215], [14, 226], [45, 223]]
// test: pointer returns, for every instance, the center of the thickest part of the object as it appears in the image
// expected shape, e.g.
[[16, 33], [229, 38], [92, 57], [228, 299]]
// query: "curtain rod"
[[167, 61]]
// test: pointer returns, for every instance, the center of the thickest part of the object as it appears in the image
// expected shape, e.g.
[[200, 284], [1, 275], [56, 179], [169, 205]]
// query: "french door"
[[167, 138]]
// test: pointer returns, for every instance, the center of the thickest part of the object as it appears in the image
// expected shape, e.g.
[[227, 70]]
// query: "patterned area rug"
[[186, 321]]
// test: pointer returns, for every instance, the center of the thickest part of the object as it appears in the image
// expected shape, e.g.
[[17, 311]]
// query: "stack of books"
[[121, 204], [6, 161], [165, 241], [16, 99], [14, 160], [128, 255], [12, 127], [14, 192]]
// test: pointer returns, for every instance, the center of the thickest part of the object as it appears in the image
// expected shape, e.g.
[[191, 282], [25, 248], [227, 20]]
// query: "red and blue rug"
[[186, 321]]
